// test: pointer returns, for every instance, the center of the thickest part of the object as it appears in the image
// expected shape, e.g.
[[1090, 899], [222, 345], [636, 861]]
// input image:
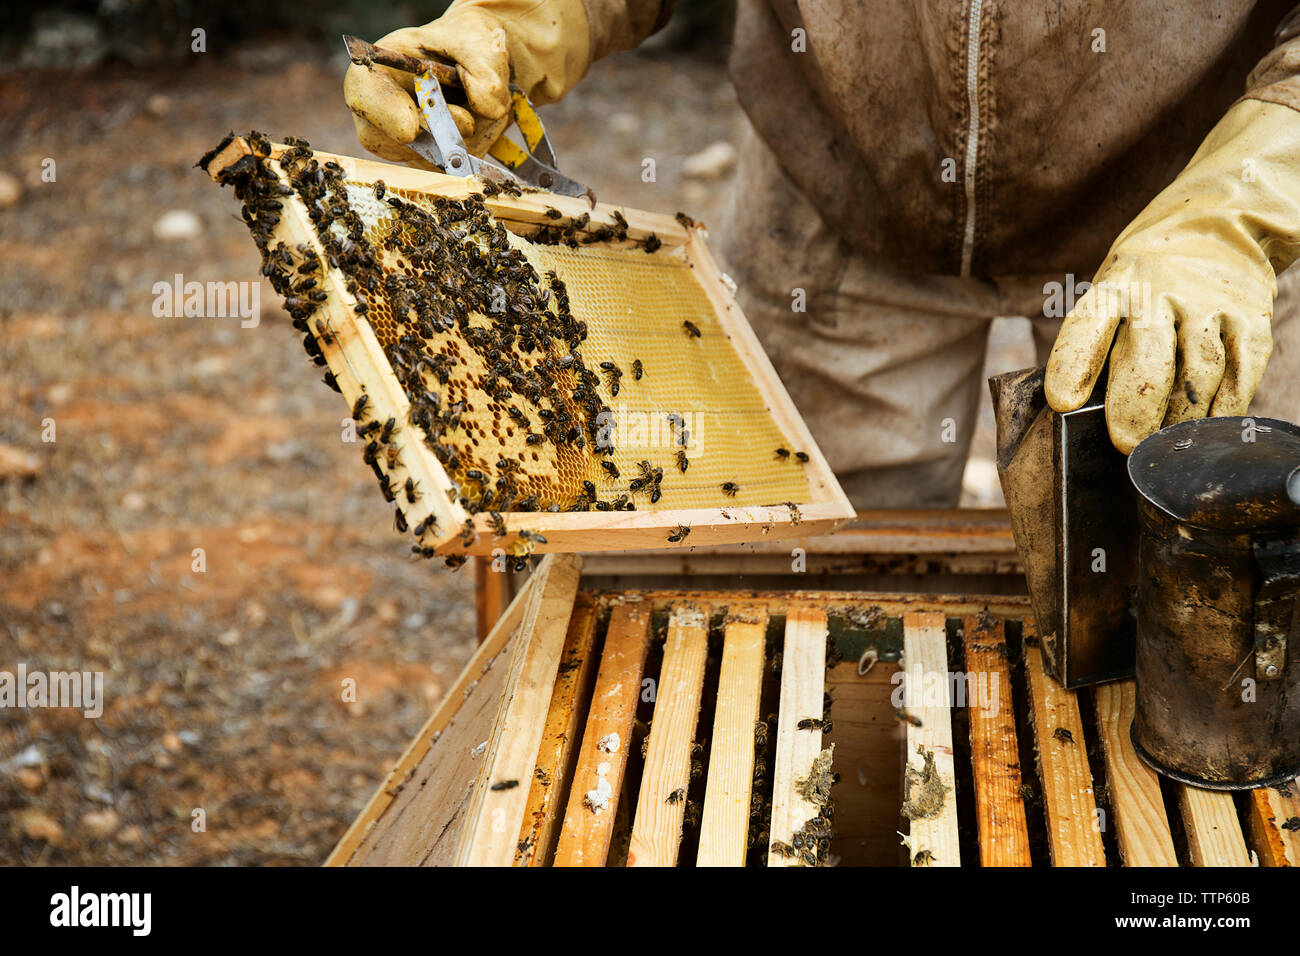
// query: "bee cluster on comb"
[[495, 371]]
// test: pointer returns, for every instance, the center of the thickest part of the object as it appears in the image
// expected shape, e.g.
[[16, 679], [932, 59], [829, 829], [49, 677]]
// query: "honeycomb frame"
[[357, 361]]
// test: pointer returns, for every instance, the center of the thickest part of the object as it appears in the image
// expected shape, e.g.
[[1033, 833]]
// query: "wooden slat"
[[995, 758], [559, 738], [495, 817], [918, 541], [585, 835], [725, 822], [1269, 809], [1072, 826], [470, 675], [657, 826], [889, 603], [1141, 825], [530, 208], [803, 684], [1214, 835], [932, 838]]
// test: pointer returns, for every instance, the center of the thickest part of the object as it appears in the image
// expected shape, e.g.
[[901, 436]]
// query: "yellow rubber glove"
[[1186, 292], [543, 43]]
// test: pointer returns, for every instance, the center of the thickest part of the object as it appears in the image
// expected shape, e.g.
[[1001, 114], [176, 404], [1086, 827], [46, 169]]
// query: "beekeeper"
[[916, 169]]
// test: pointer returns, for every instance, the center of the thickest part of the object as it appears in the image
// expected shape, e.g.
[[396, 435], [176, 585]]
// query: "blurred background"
[[223, 686]]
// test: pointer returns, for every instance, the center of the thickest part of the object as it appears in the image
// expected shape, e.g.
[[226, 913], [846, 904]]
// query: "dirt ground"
[[224, 684], [224, 687]]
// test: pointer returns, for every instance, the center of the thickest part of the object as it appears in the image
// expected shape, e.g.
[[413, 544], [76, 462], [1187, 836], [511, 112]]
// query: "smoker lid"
[[1223, 474]]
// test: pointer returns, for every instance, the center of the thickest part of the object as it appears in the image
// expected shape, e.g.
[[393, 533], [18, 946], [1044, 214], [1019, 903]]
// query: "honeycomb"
[[544, 376], [634, 304]]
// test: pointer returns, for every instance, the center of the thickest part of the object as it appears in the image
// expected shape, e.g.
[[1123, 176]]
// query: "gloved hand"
[[1186, 292], [544, 42]]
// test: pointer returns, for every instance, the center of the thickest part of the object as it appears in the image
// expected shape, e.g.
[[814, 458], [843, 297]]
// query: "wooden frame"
[[1074, 823], [995, 759], [585, 834], [359, 364], [1141, 823], [661, 802], [725, 820], [930, 775], [803, 682]]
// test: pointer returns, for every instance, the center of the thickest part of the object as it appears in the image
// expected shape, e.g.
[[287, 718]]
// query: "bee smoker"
[[1218, 629]]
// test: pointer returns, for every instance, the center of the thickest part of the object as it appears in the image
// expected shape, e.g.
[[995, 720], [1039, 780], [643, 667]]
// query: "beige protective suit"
[[915, 169]]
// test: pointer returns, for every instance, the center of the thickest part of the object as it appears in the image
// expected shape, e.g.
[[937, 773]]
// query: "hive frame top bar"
[[528, 209], [359, 365]]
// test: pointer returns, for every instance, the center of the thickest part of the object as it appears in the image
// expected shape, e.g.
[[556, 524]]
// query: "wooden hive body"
[[644, 704]]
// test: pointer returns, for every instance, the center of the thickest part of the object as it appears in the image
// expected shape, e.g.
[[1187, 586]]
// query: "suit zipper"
[[974, 17]]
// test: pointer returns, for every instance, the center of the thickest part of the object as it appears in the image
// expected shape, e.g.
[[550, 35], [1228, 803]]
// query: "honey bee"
[[359, 406], [682, 461], [467, 533], [730, 488], [505, 785], [379, 189], [679, 533], [412, 490], [499, 528], [783, 453], [802, 456], [676, 796], [691, 329], [760, 733], [609, 467], [399, 520], [811, 723], [637, 369]]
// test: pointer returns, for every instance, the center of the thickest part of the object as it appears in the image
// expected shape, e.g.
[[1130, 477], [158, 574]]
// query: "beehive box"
[[786, 728], [527, 373]]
